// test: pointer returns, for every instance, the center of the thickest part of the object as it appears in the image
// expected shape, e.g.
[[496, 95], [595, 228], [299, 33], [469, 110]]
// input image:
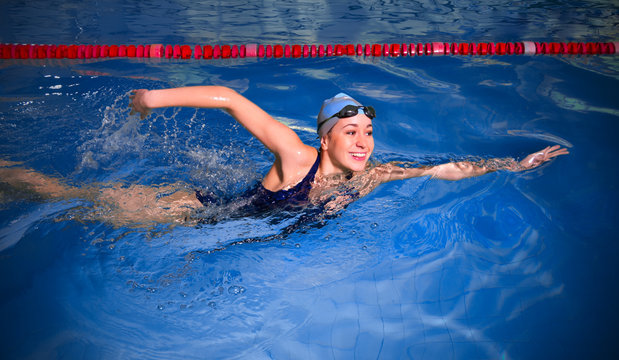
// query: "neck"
[[326, 168]]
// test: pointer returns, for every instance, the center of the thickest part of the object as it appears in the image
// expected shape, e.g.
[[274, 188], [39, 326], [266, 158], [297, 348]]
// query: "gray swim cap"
[[329, 108]]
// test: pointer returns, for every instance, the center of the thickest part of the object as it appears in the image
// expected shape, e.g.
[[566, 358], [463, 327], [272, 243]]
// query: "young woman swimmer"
[[301, 173], [331, 176]]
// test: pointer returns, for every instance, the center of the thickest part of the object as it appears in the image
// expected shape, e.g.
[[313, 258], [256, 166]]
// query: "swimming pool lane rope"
[[30, 51]]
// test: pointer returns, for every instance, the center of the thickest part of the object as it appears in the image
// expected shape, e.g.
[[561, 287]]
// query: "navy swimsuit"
[[263, 199]]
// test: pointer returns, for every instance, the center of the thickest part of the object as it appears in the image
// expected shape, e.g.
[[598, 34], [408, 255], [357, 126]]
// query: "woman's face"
[[350, 143]]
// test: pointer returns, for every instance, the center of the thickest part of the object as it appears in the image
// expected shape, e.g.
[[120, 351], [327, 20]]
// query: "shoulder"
[[300, 155], [290, 167]]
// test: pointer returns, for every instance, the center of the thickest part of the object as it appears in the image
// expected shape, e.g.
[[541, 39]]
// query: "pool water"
[[504, 266]]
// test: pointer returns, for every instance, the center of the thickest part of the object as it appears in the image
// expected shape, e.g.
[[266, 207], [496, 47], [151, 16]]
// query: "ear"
[[324, 142]]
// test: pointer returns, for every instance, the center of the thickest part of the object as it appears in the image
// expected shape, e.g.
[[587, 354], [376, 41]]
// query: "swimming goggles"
[[352, 110]]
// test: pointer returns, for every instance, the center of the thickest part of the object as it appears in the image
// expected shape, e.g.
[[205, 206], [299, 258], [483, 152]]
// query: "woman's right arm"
[[277, 137]]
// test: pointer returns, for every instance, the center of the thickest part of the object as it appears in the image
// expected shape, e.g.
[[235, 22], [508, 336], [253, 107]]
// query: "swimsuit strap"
[[296, 194], [300, 190], [312, 173]]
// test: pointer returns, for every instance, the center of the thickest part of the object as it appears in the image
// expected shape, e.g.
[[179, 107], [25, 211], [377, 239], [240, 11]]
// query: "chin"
[[358, 166]]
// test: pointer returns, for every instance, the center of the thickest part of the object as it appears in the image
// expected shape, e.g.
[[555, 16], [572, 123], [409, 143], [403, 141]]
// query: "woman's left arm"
[[466, 169]]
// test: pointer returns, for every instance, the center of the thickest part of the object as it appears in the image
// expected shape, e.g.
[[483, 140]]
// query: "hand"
[[137, 103], [538, 158]]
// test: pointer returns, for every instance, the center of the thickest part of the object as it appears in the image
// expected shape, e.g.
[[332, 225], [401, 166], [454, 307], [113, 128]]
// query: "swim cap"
[[329, 108]]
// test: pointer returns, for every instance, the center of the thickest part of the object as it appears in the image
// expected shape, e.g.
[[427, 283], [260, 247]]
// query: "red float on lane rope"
[[395, 50], [297, 51], [339, 50], [207, 52], [185, 52], [278, 51], [251, 50], [226, 52], [34, 51]]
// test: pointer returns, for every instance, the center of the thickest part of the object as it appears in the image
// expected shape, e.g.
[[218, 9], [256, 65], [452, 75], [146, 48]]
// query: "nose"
[[361, 141]]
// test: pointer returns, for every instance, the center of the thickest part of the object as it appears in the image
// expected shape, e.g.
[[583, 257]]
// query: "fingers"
[[555, 149], [134, 93], [552, 152], [131, 98], [540, 157], [562, 150], [135, 108], [551, 149], [559, 152]]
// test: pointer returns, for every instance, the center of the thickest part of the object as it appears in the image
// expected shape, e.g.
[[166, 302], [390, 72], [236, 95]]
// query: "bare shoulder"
[[297, 155], [290, 167]]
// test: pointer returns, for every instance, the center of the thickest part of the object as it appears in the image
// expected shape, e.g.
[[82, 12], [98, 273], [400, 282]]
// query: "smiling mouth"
[[358, 156]]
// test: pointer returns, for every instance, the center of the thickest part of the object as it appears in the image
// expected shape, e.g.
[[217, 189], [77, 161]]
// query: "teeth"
[[358, 154]]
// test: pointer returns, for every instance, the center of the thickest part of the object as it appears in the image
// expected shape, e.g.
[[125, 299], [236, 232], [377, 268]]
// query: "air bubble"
[[236, 290]]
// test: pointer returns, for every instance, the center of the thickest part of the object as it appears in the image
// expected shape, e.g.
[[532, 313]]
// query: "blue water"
[[505, 266]]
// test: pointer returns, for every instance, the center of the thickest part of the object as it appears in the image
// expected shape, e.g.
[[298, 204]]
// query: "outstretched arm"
[[465, 169], [277, 137]]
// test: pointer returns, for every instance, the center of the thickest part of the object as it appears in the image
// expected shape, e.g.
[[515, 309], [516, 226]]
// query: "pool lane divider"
[[30, 51]]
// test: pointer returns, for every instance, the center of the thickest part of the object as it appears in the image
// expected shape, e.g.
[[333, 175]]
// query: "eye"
[[351, 132], [368, 133]]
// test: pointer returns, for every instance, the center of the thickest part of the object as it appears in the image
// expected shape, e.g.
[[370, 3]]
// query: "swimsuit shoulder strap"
[[308, 179], [312, 173]]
